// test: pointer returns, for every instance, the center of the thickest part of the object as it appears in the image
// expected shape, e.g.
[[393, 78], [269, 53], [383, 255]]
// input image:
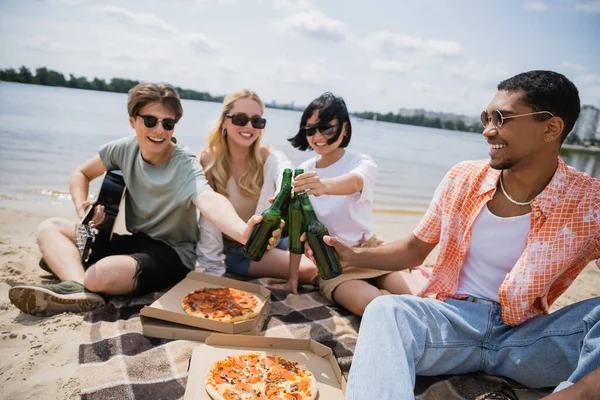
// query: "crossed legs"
[[112, 275]]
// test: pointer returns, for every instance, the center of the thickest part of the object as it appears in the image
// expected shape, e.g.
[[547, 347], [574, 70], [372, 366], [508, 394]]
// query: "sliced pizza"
[[260, 376], [222, 304]]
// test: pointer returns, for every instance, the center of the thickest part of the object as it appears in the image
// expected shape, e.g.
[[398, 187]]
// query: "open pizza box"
[[168, 308], [314, 356], [157, 328]]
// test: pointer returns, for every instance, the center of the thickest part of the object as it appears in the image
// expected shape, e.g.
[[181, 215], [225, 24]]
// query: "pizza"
[[260, 376], [222, 304]]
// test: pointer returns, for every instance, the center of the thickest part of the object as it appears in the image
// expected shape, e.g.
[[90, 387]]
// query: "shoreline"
[[39, 355]]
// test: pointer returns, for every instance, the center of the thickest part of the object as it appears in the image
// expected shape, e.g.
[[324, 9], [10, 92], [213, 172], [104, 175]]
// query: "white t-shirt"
[[497, 243], [350, 216]]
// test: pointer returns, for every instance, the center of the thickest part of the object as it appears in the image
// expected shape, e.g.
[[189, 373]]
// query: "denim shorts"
[[237, 263]]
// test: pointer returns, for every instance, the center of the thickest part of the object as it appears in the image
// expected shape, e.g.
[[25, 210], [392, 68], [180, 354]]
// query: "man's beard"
[[506, 163]]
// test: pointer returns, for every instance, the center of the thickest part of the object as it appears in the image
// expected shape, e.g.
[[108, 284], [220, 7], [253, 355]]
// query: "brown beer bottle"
[[328, 262], [296, 221], [259, 239]]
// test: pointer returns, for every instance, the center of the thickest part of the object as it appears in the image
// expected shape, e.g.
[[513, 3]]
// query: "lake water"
[[46, 132]]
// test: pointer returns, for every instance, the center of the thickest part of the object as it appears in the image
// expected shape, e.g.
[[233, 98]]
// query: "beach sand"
[[38, 356]]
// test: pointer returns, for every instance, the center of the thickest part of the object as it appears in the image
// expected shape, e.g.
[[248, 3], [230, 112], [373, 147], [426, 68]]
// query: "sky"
[[440, 55]]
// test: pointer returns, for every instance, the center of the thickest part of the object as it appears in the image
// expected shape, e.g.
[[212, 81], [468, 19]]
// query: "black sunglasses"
[[498, 119], [241, 119], [324, 129], [150, 121]]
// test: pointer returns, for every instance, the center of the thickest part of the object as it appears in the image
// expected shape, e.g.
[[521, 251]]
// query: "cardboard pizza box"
[[168, 306], [314, 356], [157, 328]]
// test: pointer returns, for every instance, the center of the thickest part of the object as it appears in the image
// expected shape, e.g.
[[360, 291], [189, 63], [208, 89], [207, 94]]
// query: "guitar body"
[[110, 196]]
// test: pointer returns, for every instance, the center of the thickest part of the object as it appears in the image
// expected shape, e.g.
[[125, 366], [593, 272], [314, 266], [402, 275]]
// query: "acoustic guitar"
[[110, 196]]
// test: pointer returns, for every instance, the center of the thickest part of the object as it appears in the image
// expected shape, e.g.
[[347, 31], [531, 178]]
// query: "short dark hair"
[[547, 91], [329, 107], [148, 92]]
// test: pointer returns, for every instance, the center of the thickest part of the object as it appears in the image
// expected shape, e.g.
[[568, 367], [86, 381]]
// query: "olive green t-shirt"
[[159, 199]]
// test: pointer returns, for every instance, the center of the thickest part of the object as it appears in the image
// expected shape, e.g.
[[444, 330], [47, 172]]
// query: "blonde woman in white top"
[[247, 173], [340, 184]]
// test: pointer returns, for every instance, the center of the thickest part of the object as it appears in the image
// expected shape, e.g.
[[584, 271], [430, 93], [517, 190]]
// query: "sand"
[[38, 356]]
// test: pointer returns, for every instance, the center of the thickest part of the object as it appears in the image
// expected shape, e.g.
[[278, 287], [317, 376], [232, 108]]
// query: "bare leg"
[[112, 275], [274, 264], [355, 295], [401, 282], [56, 239]]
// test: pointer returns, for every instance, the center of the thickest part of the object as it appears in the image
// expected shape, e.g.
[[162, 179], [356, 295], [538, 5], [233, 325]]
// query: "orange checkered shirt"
[[564, 236]]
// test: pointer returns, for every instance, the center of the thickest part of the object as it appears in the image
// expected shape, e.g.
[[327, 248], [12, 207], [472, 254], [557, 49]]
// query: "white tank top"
[[497, 243]]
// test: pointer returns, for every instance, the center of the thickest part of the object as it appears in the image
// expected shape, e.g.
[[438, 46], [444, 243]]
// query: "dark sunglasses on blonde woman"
[[150, 121], [498, 119], [241, 119]]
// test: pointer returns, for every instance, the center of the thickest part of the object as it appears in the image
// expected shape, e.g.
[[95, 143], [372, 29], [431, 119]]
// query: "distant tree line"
[[48, 77], [421, 120]]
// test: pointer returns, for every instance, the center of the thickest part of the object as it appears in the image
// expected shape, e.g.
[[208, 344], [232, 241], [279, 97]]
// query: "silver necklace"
[[519, 203]]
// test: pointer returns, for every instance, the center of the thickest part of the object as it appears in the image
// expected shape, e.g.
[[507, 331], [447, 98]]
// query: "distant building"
[[406, 112], [587, 124], [411, 112]]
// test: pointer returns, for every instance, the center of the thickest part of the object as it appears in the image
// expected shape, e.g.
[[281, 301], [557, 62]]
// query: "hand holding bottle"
[[325, 257], [264, 229], [256, 219], [311, 183], [345, 252], [276, 236]]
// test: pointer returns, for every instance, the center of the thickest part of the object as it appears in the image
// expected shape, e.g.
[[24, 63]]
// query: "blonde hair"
[[251, 181]]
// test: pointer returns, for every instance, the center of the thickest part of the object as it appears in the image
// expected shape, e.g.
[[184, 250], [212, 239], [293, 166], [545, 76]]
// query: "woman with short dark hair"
[[340, 184]]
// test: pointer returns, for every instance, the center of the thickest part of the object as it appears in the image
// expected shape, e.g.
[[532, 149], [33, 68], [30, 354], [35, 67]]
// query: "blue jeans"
[[404, 336], [237, 263]]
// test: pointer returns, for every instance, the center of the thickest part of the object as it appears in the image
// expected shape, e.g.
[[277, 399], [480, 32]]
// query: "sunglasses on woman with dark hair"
[[150, 121], [241, 119], [324, 129]]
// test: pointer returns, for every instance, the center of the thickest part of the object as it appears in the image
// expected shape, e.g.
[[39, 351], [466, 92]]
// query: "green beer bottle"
[[286, 180], [328, 262], [259, 239], [296, 221]]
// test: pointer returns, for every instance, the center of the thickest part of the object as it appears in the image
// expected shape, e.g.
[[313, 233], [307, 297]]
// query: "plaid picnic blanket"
[[117, 362]]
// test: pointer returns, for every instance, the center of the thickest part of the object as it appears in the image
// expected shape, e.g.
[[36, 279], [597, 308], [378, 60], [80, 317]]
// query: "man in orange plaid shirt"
[[514, 232]]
